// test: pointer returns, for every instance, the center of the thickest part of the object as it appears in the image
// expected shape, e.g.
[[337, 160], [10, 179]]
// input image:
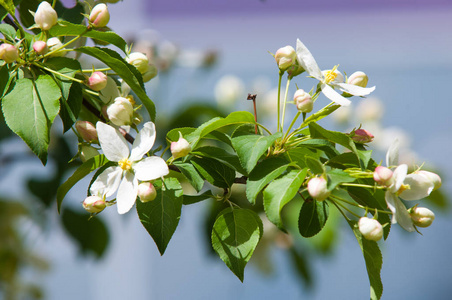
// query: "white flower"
[[45, 16], [329, 79], [131, 164]]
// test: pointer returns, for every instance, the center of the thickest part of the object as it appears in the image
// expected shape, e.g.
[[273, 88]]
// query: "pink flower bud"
[[139, 61], [180, 148], [45, 16], [285, 57], [358, 78], [87, 131], [97, 81], [317, 188], [8, 53], [94, 204], [40, 47], [371, 229], [87, 152], [383, 176], [146, 192], [433, 177], [99, 16], [422, 217], [120, 112], [362, 136], [303, 101]]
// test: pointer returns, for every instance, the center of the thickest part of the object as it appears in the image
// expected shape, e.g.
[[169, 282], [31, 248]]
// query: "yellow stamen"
[[331, 75], [125, 164], [403, 187], [130, 98]]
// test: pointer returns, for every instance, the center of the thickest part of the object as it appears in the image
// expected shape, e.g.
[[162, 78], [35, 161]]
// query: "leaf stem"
[[279, 98], [285, 103], [58, 73]]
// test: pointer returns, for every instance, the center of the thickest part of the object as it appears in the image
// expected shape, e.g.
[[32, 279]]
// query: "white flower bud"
[[94, 204], [362, 136], [45, 16], [40, 47], [303, 101], [180, 148], [139, 61], [433, 177], [358, 78], [53, 44], [87, 131], [99, 16], [146, 192], [285, 57], [120, 112], [317, 188], [383, 176], [422, 217], [150, 73], [97, 81], [8, 53], [87, 152], [371, 229]]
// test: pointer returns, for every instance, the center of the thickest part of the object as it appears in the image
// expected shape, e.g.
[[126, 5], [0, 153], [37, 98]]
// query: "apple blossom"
[[97, 81], [53, 44], [285, 57], [317, 188], [45, 16], [180, 148], [40, 47], [358, 78], [87, 131], [383, 176], [120, 112], [303, 101], [371, 229], [146, 192], [362, 136], [421, 216], [94, 204], [99, 16], [8, 53], [139, 61]]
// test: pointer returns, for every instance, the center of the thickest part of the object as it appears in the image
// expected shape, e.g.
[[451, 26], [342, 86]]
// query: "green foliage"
[[313, 216], [214, 172], [189, 171]]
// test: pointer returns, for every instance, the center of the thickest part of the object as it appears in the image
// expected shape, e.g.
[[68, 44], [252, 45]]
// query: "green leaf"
[[191, 199], [214, 171], [9, 6], [24, 12], [323, 145], [373, 259], [235, 235], [336, 177], [126, 71], [314, 165], [263, 174], [298, 155], [222, 156], [250, 148], [64, 28], [8, 32], [71, 106], [161, 216], [173, 134], [313, 216], [4, 83], [86, 168], [30, 109], [279, 192], [326, 111], [189, 171], [344, 160]]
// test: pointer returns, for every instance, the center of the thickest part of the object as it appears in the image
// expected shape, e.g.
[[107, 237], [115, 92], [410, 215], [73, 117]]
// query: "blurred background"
[[210, 55]]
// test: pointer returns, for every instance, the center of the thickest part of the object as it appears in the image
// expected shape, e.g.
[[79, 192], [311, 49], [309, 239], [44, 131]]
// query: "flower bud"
[[433, 177], [150, 73], [421, 216], [99, 16], [358, 78], [97, 81], [371, 229], [180, 148], [285, 57], [87, 131], [303, 101], [295, 70], [94, 204], [120, 112], [87, 152], [53, 44], [45, 16], [317, 188], [362, 136], [146, 192], [383, 176], [40, 47], [8, 53], [139, 61]]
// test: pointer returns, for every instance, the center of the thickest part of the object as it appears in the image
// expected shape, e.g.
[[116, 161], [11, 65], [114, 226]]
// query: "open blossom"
[[329, 79], [131, 164]]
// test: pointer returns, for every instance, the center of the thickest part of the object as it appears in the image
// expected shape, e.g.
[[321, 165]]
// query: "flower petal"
[[354, 89], [392, 156], [110, 92], [307, 61], [420, 187], [107, 182], [150, 168], [399, 211], [331, 94], [399, 176], [127, 193], [113, 144], [143, 142]]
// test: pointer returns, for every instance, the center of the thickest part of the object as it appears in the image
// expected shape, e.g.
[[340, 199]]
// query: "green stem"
[[361, 206], [285, 103], [291, 125], [363, 185], [340, 210], [95, 70], [344, 207], [279, 97], [58, 73], [66, 44]]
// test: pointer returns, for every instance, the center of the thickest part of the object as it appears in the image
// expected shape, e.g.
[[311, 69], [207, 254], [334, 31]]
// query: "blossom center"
[[330, 75], [402, 188], [125, 164]]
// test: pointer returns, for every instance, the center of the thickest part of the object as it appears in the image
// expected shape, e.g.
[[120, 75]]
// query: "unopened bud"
[[317, 188], [87, 152], [383, 176], [87, 131], [94, 204], [99, 16], [421, 216], [433, 177], [54, 44], [139, 61], [40, 47], [285, 57], [180, 148], [362, 136], [303, 101], [8, 53], [45, 16], [150, 73], [295, 70], [97, 81], [358, 78], [120, 112], [146, 192], [371, 229]]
